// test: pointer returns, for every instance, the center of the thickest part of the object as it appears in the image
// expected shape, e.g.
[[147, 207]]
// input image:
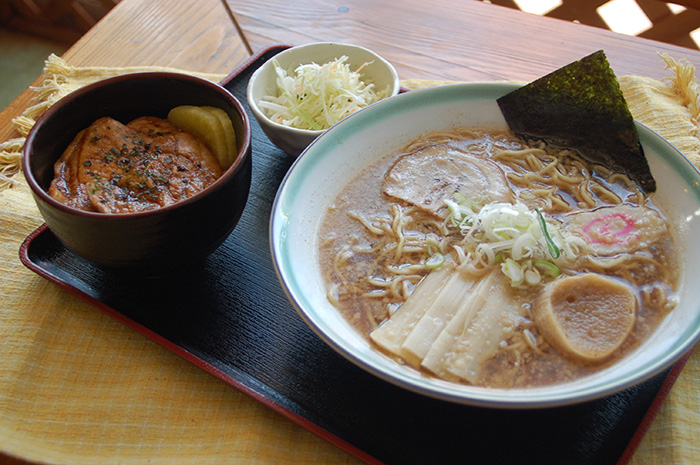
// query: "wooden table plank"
[[195, 35], [493, 42]]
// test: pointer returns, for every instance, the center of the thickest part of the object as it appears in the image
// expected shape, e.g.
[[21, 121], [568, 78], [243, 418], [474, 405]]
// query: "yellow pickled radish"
[[205, 125], [229, 133]]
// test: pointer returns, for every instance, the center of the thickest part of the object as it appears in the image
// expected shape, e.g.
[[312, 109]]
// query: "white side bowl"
[[263, 83], [343, 151]]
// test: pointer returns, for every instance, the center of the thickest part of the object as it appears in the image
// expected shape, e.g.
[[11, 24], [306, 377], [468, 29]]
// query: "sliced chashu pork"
[[115, 168], [428, 176]]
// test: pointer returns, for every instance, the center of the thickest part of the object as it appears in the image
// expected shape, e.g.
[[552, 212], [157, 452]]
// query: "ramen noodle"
[[477, 258]]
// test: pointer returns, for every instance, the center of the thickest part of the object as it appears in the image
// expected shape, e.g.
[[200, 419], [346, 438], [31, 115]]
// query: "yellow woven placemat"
[[78, 387]]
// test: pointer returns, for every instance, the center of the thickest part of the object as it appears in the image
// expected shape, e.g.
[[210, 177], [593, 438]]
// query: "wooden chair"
[[58, 20], [667, 26]]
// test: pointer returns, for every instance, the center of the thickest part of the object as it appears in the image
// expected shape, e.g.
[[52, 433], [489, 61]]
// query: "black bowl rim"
[[230, 172]]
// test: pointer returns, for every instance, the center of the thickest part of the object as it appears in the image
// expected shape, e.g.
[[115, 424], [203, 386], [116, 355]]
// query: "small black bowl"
[[158, 241]]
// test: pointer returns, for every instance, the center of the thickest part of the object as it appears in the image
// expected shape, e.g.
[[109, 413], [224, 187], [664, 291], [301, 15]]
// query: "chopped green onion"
[[548, 268], [532, 277], [553, 249], [454, 209], [435, 261], [510, 234], [513, 271], [461, 198]]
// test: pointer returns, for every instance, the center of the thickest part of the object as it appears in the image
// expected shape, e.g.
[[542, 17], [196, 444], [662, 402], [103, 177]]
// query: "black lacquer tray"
[[231, 317]]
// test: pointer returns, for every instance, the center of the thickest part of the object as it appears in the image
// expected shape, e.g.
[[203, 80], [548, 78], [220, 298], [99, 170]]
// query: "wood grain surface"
[[441, 39], [195, 35], [465, 40]]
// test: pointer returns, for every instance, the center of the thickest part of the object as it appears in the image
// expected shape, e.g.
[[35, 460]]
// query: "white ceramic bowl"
[[341, 153], [263, 83]]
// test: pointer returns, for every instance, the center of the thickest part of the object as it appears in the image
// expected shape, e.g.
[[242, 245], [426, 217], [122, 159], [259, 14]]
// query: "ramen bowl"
[[158, 241], [263, 83], [343, 152]]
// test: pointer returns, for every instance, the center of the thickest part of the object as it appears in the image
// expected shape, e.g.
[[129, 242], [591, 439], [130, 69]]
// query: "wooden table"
[[464, 40], [448, 40]]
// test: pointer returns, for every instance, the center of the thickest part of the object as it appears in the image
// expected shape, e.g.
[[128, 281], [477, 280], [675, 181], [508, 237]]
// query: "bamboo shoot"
[[434, 359], [393, 332], [480, 340], [455, 297]]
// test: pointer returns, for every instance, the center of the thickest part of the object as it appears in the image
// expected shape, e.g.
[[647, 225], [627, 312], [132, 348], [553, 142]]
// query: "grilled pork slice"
[[428, 176], [115, 168]]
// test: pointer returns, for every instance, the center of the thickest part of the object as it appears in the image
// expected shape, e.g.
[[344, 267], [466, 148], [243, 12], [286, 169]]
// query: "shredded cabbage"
[[523, 241], [318, 96]]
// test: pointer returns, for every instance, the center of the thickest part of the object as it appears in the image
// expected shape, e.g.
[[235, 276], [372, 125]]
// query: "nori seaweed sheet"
[[581, 107]]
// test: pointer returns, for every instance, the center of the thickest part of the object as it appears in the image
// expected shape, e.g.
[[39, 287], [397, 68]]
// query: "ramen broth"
[[403, 219]]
